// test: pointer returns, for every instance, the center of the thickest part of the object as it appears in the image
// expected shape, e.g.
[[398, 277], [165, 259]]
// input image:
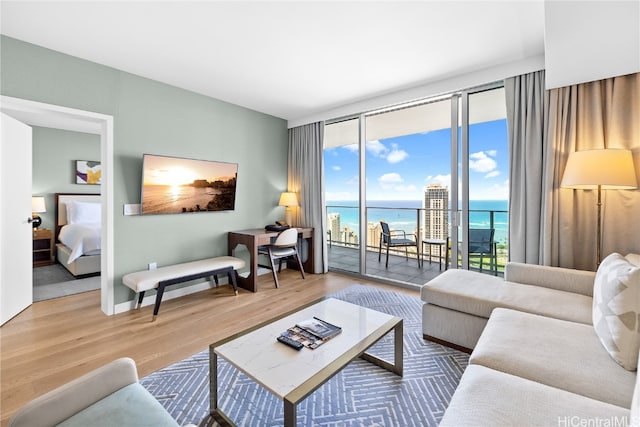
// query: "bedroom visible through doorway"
[[55, 156]]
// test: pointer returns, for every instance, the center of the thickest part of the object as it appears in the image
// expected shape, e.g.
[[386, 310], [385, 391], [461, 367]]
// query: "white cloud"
[[353, 147], [394, 182], [396, 155], [390, 178], [376, 148], [491, 153], [444, 180], [480, 162], [336, 168], [492, 174]]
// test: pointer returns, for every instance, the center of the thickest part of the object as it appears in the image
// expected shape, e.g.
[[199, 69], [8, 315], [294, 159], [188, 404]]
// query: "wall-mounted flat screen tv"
[[180, 185]]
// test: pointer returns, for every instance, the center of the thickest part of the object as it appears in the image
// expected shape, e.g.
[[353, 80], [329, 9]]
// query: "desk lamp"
[[289, 200], [37, 206]]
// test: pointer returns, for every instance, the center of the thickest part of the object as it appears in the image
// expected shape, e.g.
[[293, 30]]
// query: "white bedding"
[[82, 239]]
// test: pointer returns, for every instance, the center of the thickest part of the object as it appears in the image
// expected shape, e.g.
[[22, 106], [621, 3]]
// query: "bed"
[[78, 233]]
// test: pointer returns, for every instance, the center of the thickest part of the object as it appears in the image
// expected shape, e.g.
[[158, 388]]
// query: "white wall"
[[590, 40]]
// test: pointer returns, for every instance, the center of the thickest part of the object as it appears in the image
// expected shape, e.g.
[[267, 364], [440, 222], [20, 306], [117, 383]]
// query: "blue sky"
[[398, 168]]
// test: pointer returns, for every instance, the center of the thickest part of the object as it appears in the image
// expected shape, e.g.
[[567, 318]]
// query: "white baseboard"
[[169, 294]]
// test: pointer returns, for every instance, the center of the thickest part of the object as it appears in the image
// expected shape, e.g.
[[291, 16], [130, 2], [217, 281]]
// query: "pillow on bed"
[[83, 212]]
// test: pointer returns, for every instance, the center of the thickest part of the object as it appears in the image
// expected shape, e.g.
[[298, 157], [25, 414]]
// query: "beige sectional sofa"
[[537, 359]]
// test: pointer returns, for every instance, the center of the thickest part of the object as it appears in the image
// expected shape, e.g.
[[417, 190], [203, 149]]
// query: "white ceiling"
[[288, 59]]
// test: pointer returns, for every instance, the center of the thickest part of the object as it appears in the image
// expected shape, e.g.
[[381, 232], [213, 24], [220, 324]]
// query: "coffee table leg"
[[398, 337], [215, 412], [398, 363], [289, 414]]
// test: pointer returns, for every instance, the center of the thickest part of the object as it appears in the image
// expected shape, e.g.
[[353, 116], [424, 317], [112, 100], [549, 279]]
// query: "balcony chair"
[[285, 246], [481, 244], [394, 239]]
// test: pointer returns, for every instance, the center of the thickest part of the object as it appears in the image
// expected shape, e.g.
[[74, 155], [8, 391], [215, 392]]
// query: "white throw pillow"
[[83, 212], [616, 309]]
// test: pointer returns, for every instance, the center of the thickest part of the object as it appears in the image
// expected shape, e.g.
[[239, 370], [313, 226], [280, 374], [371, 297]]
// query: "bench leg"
[[140, 297], [232, 280], [214, 280], [156, 307]]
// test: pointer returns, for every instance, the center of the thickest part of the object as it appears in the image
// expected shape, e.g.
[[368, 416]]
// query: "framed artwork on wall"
[[88, 172]]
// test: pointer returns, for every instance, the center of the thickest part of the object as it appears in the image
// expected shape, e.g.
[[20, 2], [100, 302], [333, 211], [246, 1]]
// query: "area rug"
[[54, 281], [362, 394]]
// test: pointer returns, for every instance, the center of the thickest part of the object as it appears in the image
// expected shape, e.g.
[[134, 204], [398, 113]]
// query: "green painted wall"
[[152, 117], [55, 152]]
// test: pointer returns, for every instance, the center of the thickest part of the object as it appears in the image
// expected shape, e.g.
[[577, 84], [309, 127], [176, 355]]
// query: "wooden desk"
[[256, 237]]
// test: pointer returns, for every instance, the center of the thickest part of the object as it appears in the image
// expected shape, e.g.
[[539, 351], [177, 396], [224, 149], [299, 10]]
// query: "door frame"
[[54, 116]]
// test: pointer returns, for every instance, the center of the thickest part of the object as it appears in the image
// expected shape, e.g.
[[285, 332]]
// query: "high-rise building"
[[373, 234], [436, 212], [349, 236], [333, 224]]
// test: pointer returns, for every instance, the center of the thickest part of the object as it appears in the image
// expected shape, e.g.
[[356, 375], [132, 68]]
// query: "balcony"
[[344, 255]]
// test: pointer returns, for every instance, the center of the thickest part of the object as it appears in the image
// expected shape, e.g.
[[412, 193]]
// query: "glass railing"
[[343, 229]]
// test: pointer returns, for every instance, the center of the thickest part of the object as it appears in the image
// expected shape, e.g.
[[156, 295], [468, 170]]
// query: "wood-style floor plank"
[[55, 341]]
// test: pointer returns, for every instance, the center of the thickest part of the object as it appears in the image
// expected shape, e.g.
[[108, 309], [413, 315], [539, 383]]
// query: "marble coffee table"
[[293, 375]]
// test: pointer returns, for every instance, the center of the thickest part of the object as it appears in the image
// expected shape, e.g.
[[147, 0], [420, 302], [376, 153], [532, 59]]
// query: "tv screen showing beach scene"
[[173, 185]]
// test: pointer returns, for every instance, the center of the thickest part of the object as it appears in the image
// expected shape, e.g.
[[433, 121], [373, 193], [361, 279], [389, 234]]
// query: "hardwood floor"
[[55, 341]]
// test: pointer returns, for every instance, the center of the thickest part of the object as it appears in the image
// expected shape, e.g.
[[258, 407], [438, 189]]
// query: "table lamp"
[[289, 200], [37, 206], [606, 169]]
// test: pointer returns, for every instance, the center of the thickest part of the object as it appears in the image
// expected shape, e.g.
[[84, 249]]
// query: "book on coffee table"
[[320, 328], [312, 333]]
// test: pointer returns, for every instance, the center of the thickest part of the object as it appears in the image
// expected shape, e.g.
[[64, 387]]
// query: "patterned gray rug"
[[362, 394]]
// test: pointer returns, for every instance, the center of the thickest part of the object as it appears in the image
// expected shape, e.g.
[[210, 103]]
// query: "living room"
[[161, 116]]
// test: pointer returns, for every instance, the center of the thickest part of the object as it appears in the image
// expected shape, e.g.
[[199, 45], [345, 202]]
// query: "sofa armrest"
[[563, 279], [61, 403]]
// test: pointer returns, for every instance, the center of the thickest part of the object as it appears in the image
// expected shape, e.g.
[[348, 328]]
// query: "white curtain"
[[550, 225], [306, 180], [527, 103], [595, 115]]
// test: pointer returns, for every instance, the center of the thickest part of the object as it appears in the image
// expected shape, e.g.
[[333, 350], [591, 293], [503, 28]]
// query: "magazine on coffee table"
[[312, 333]]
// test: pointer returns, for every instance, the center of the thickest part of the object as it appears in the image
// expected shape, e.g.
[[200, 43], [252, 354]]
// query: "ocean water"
[[172, 199], [402, 214]]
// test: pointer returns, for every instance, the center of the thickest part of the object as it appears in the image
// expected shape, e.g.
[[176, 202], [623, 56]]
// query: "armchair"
[[108, 396]]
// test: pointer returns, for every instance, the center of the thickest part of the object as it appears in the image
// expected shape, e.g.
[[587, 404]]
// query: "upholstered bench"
[[160, 278]]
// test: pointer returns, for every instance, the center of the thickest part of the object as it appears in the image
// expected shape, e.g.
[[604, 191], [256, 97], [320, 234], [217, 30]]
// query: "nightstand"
[[42, 247]]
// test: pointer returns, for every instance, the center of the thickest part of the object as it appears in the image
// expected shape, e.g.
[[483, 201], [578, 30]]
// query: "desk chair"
[[481, 244], [394, 239], [285, 246]]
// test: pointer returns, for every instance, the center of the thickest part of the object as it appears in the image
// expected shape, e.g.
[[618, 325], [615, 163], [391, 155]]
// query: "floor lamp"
[[606, 169]]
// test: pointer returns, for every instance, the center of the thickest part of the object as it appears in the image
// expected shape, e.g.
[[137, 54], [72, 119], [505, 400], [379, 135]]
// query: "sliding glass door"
[[434, 187], [483, 181], [342, 194]]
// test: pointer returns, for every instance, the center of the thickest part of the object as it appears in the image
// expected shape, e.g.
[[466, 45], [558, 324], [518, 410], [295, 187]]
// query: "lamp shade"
[[288, 199], [612, 169], [37, 204]]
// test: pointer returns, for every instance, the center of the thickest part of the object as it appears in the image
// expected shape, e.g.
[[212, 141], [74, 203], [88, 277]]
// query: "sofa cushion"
[[616, 309], [132, 405], [558, 353], [478, 294], [633, 259], [635, 403], [486, 397]]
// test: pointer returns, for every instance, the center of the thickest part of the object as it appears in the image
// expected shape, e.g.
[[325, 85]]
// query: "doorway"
[[58, 170], [56, 117]]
